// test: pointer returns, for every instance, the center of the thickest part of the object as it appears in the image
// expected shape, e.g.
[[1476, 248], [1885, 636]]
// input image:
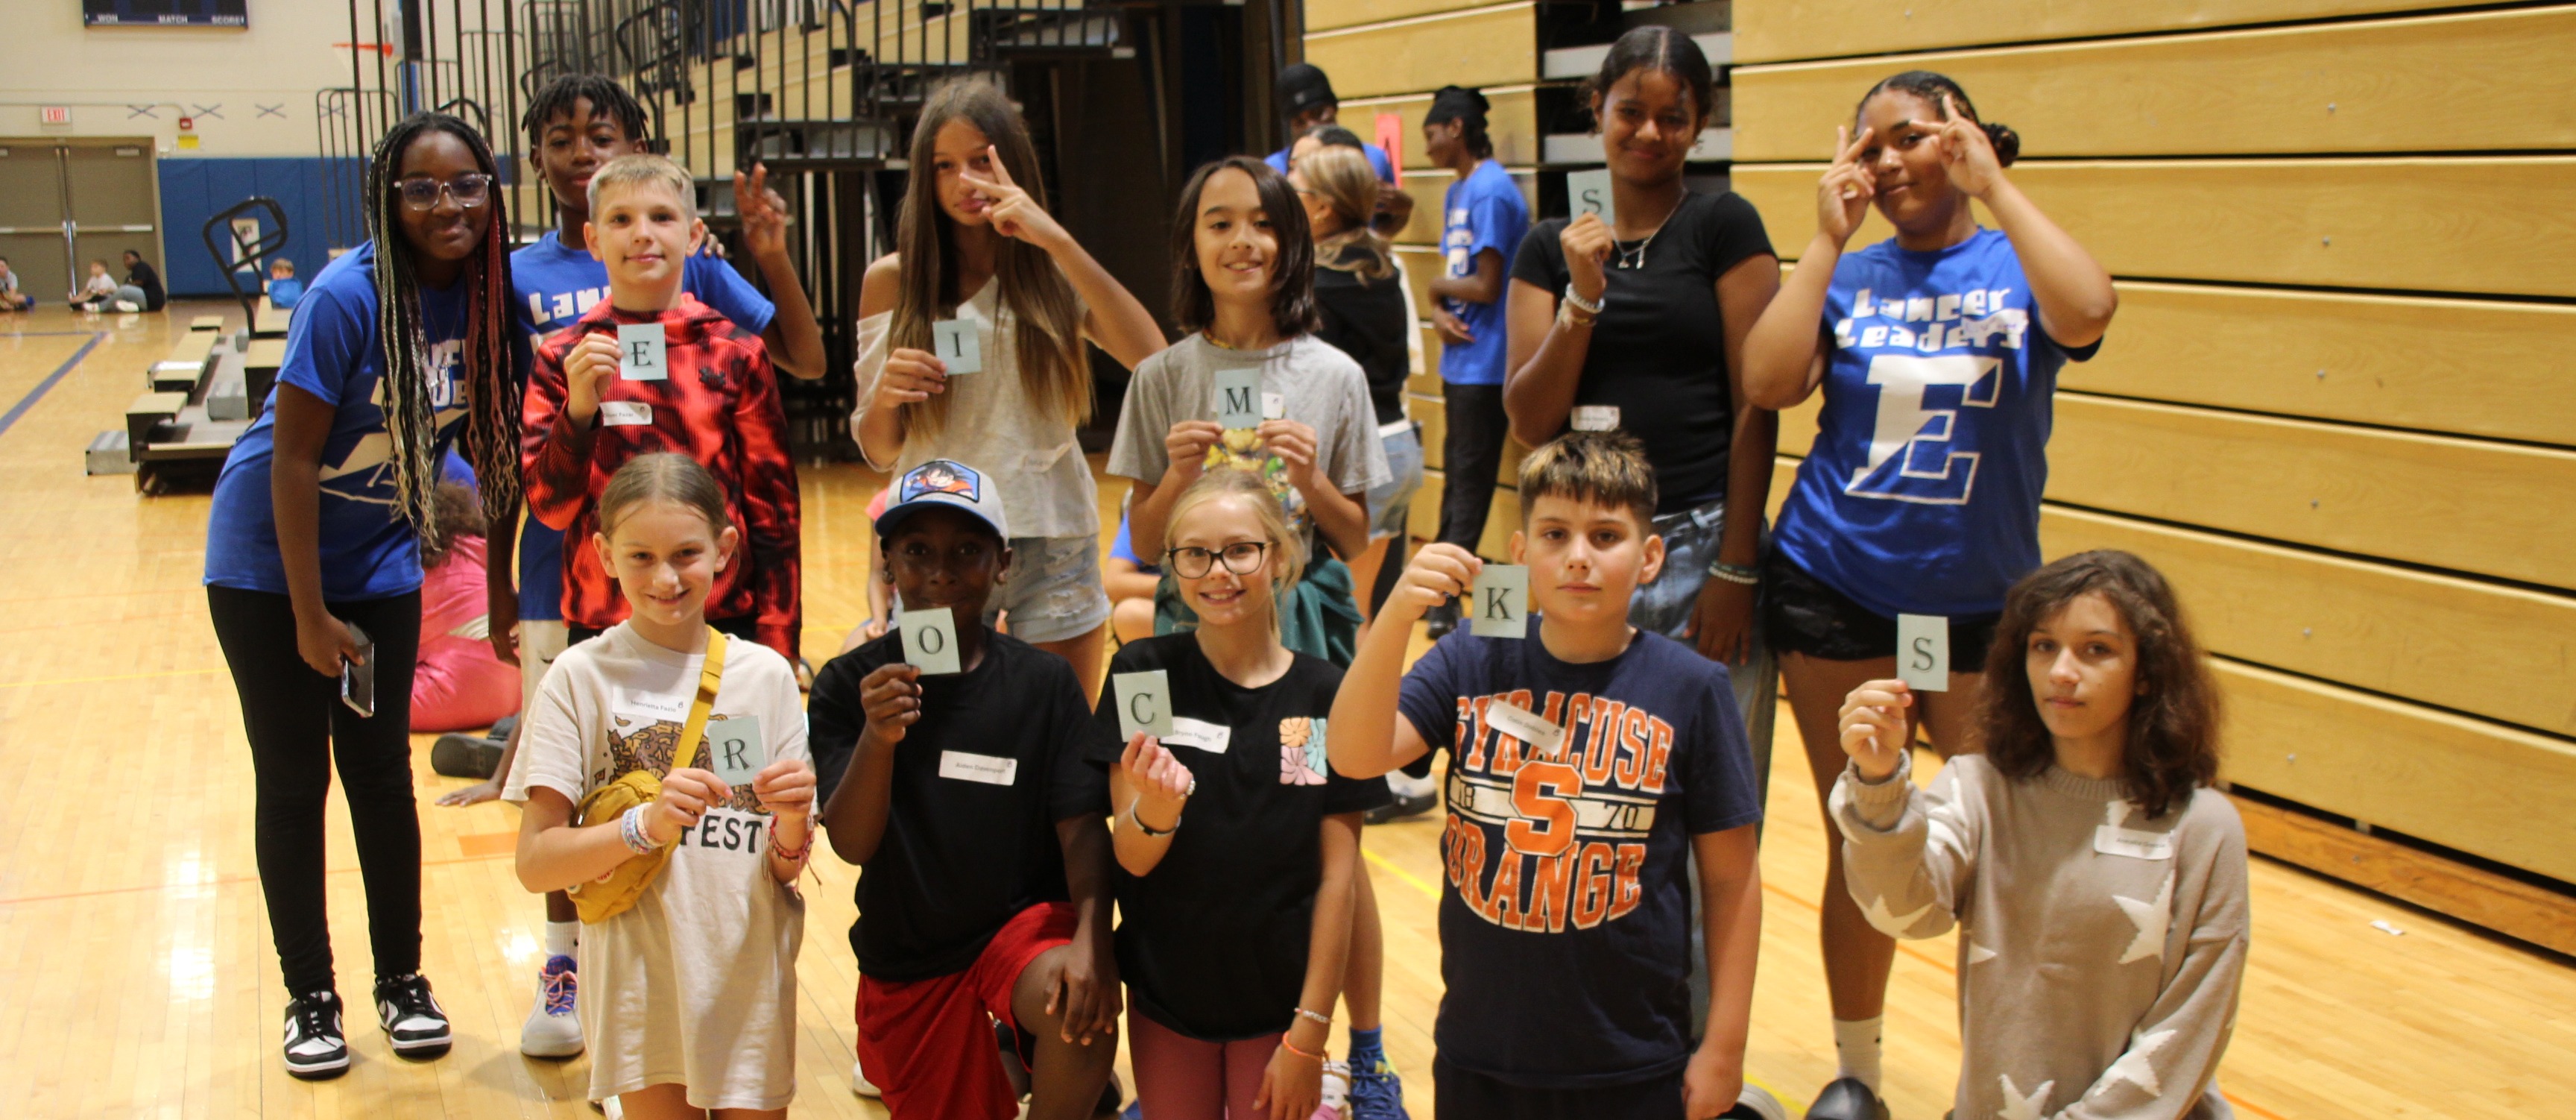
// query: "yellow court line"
[[116, 677], [1401, 873]]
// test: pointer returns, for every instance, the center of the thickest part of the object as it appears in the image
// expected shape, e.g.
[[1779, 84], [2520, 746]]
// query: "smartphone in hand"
[[358, 678]]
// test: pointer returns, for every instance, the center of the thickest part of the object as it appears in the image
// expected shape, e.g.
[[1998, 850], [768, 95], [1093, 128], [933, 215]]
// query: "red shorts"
[[926, 1043]]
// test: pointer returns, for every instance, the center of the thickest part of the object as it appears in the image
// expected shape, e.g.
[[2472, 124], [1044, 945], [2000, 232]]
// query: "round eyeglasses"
[[1242, 558]]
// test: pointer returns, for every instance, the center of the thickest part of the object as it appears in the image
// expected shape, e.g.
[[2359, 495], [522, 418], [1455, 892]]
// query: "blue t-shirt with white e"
[[551, 286], [1565, 935], [333, 352], [1378, 161], [1482, 212], [1921, 495]]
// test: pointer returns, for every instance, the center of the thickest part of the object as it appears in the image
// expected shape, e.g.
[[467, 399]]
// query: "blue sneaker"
[[1376, 1092], [552, 1029]]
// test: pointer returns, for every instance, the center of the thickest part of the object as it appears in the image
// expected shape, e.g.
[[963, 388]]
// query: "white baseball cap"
[[944, 482]]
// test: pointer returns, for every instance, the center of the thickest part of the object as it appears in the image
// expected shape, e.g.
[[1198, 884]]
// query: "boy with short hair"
[[986, 889], [1592, 764], [283, 288], [714, 398]]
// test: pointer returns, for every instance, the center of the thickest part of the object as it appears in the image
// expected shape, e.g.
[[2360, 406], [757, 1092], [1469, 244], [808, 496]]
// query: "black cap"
[[1302, 87]]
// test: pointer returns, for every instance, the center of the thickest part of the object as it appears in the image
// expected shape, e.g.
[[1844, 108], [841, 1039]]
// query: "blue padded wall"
[[193, 190]]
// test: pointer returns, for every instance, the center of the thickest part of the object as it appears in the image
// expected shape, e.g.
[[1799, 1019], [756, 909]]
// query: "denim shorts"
[[1390, 506], [1052, 589]]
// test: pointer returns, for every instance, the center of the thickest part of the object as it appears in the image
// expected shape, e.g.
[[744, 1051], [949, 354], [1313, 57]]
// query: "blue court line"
[[42, 387]]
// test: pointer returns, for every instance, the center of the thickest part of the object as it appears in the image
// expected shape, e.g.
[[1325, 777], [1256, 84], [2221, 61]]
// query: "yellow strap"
[[710, 676]]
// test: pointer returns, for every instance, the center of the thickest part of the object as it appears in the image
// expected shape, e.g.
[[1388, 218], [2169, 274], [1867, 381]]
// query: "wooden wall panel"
[[1779, 30], [1512, 123], [2469, 367], [2503, 225], [1324, 15], [1493, 46], [2479, 787], [2482, 648], [2478, 82], [2492, 509]]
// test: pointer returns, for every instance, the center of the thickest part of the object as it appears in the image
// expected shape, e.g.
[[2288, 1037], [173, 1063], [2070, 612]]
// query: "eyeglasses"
[[469, 190], [1242, 558]]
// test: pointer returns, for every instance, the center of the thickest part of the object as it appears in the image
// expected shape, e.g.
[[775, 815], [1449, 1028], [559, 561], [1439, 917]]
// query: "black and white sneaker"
[[411, 1017], [315, 1047]]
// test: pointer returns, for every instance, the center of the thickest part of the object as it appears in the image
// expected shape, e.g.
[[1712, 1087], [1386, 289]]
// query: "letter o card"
[[1500, 600], [930, 639], [640, 356], [1238, 398], [1144, 703], [1588, 192], [735, 750], [959, 345], [1923, 652]]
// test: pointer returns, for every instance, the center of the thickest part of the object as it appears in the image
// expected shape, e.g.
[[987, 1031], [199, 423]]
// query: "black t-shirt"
[[1565, 916], [962, 853], [142, 276], [1213, 942], [1366, 319], [1659, 350]]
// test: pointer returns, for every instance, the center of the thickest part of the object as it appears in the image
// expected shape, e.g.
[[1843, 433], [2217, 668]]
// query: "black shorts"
[[1800, 614], [1457, 1092]]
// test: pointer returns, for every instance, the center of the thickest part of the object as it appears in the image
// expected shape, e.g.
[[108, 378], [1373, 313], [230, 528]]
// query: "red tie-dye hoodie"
[[719, 406]]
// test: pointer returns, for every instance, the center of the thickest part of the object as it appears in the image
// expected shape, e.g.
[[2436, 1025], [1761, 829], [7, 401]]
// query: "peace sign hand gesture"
[[1013, 213], [1966, 150], [762, 209], [1843, 195]]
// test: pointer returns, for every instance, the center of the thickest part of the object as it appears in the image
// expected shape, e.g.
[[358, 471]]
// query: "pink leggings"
[[1182, 1078]]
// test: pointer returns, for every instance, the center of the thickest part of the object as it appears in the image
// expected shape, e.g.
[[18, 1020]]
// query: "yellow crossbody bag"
[[615, 893]]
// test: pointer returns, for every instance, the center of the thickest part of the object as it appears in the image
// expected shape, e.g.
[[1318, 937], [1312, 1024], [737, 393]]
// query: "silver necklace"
[[1636, 258]]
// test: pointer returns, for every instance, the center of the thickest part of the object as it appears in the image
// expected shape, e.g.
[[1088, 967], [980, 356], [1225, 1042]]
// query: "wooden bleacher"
[[271, 321]]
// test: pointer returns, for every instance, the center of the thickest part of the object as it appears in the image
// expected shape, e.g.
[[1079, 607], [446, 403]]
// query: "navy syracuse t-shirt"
[[1565, 917]]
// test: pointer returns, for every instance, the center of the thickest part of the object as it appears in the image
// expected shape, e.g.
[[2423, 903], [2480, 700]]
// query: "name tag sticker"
[[930, 639], [1238, 398], [640, 356], [2114, 841], [1520, 724], [988, 769], [1500, 598], [1274, 406], [1198, 733], [1588, 192], [1923, 651], [735, 750], [621, 414], [959, 346], [647, 707], [1596, 417], [1144, 703]]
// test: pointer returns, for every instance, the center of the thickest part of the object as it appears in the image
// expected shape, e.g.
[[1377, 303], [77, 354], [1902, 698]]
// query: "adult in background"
[[145, 282], [1937, 351], [315, 537], [1641, 326], [1483, 218], [1307, 100]]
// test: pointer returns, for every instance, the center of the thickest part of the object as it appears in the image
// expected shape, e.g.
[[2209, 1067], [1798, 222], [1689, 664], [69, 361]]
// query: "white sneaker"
[[860, 1084], [1337, 1091], [553, 1029], [1761, 1102]]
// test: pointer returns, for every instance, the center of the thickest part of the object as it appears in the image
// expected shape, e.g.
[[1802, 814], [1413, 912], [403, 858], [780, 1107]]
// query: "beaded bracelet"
[[1319, 1019], [1734, 574], [782, 851], [630, 831]]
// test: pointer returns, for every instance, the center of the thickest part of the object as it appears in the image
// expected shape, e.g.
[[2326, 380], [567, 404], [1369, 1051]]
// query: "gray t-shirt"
[[1319, 386]]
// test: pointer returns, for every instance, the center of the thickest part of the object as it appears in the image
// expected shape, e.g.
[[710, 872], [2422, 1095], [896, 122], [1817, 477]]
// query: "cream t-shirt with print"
[[697, 983]]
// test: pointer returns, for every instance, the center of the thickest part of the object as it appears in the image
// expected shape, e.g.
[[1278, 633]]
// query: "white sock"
[[1856, 1047], [561, 937]]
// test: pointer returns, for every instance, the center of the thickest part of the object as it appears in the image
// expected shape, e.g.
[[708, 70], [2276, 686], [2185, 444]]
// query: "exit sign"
[[54, 114]]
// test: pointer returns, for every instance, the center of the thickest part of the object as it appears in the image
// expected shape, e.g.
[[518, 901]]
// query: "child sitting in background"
[[1130, 582], [2096, 880], [283, 288], [460, 683]]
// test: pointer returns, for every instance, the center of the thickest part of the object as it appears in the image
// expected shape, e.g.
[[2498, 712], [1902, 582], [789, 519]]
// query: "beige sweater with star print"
[[2099, 952]]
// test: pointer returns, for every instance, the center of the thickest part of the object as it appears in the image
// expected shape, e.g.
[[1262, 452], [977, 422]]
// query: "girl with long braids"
[[976, 245], [1937, 351], [313, 556]]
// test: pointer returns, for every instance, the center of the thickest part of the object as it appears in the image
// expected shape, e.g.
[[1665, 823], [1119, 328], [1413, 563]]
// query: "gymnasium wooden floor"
[[136, 976]]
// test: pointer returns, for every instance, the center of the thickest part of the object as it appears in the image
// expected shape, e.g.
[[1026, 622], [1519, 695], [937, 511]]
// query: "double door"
[[65, 202]]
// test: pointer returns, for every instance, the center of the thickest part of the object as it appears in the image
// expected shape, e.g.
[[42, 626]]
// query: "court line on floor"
[[227, 881], [113, 677], [42, 387]]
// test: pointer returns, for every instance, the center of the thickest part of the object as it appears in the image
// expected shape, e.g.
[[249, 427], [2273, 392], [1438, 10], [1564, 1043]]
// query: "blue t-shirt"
[[1124, 548], [1385, 167], [550, 287], [1481, 212], [284, 291], [1565, 934], [333, 352], [1921, 495]]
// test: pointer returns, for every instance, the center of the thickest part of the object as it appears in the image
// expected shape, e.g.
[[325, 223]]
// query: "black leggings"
[[298, 728], [1471, 459]]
